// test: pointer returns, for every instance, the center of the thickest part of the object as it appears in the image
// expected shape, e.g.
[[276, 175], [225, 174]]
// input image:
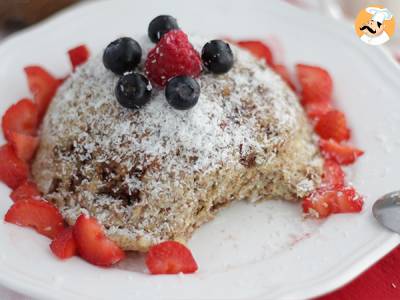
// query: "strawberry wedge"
[[333, 125], [21, 117], [259, 50], [78, 56], [342, 154], [333, 175], [43, 87], [64, 245], [316, 84], [25, 191], [41, 215], [326, 201], [316, 110], [170, 257], [93, 245], [24, 145], [13, 171]]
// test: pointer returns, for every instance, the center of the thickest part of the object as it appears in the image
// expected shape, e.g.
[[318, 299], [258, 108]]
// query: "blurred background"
[[18, 14]]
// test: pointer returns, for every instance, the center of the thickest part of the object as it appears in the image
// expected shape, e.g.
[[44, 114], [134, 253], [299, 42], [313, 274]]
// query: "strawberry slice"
[[64, 246], [333, 175], [93, 245], [170, 257], [325, 201], [318, 203], [13, 171], [27, 190], [41, 215], [259, 50], [333, 125], [316, 83], [342, 154], [21, 117], [348, 201], [284, 73], [78, 56], [24, 145], [43, 86], [316, 110]]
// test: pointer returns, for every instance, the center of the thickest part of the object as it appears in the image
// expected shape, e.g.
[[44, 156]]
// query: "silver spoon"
[[387, 211]]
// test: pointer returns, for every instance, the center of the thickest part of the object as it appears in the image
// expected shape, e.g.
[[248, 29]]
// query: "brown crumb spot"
[[218, 205], [262, 89], [223, 125], [193, 159], [247, 160], [55, 184], [226, 92]]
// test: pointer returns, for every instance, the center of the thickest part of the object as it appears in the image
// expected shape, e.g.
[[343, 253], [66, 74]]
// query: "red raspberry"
[[172, 56]]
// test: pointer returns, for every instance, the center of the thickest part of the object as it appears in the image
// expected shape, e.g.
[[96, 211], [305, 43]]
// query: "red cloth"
[[380, 282]]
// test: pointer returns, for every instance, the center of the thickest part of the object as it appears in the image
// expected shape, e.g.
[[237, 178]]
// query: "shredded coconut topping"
[[248, 110], [207, 133]]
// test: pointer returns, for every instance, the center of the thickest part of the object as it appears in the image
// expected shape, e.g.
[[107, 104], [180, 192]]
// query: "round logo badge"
[[375, 25]]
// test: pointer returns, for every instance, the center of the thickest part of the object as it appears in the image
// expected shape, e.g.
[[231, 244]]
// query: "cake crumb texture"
[[156, 173]]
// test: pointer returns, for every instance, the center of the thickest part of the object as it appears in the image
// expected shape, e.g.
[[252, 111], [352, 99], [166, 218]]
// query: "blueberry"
[[122, 55], [182, 92], [133, 90], [160, 25], [217, 56]]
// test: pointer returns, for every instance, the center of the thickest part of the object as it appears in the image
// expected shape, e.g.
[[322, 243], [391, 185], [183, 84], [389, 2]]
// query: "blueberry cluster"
[[122, 56], [133, 90]]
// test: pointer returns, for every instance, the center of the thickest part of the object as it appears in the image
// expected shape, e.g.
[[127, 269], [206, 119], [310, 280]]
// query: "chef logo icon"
[[375, 25]]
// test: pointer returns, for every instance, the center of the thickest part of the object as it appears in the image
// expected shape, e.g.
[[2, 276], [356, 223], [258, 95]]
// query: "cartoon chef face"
[[372, 28]]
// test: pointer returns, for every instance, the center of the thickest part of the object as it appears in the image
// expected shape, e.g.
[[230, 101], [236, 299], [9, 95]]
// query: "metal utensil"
[[387, 211]]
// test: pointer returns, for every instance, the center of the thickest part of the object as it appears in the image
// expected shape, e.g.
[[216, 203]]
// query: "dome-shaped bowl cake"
[[157, 173]]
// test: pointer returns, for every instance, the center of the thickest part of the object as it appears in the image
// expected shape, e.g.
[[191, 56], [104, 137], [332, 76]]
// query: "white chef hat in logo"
[[379, 14]]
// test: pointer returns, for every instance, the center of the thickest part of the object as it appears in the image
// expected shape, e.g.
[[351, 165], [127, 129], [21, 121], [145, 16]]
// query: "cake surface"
[[156, 173]]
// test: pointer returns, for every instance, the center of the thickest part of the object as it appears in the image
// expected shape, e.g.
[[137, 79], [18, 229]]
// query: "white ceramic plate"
[[249, 251]]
